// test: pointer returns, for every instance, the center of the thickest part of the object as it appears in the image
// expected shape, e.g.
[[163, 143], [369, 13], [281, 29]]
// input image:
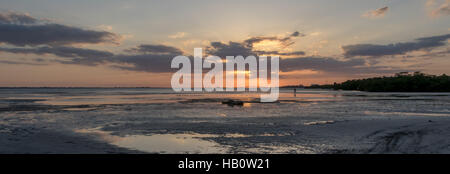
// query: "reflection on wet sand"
[[170, 143], [160, 143]]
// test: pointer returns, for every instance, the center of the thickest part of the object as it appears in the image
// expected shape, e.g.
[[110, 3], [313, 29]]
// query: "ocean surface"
[[155, 120]]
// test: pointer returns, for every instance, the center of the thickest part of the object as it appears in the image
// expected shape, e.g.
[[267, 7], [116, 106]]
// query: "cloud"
[[19, 63], [318, 63], [326, 64], [105, 27], [373, 50], [246, 48], [286, 41], [24, 30], [296, 34], [145, 58], [239, 49], [145, 63], [51, 34], [295, 53], [157, 58], [155, 49], [42, 38], [231, 49], [157, 63], [315, 33], [61, 51], [377, 13], [160, 63], [443, 9], [17, 18], [177, 35]]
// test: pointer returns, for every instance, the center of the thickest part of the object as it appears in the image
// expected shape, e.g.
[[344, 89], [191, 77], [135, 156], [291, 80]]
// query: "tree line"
[[401, 82]]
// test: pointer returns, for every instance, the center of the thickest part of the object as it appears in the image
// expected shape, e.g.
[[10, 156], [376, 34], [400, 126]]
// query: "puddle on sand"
[[187, 143], [169, 143], [161, 143]]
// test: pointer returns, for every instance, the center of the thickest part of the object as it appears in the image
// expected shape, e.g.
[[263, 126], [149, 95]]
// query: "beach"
[[147, 120]]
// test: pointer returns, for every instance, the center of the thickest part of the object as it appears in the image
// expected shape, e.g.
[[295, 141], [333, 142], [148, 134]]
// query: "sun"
[[268, 45]]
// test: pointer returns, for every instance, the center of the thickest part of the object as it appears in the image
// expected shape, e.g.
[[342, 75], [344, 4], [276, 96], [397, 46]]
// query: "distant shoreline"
[[401, 82], [24, 87]]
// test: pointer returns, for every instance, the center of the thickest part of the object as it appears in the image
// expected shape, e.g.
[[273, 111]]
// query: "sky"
[[129, 43]]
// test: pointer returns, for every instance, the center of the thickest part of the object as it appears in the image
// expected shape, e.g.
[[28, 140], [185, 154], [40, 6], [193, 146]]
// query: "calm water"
[[161, 121]]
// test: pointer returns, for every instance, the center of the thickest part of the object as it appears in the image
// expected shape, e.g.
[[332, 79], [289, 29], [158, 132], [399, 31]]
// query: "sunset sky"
[[130, 43]]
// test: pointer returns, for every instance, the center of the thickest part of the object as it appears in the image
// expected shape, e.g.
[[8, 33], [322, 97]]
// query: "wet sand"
[[410, 135], [146, 121]]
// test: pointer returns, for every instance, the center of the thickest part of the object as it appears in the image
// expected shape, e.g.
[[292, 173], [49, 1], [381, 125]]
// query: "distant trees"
[[315, 86], [401, 82]]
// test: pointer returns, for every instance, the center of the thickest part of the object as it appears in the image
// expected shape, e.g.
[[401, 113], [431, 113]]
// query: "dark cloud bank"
[[27, 35], [24, 30], [155, 49], [373, 50]]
